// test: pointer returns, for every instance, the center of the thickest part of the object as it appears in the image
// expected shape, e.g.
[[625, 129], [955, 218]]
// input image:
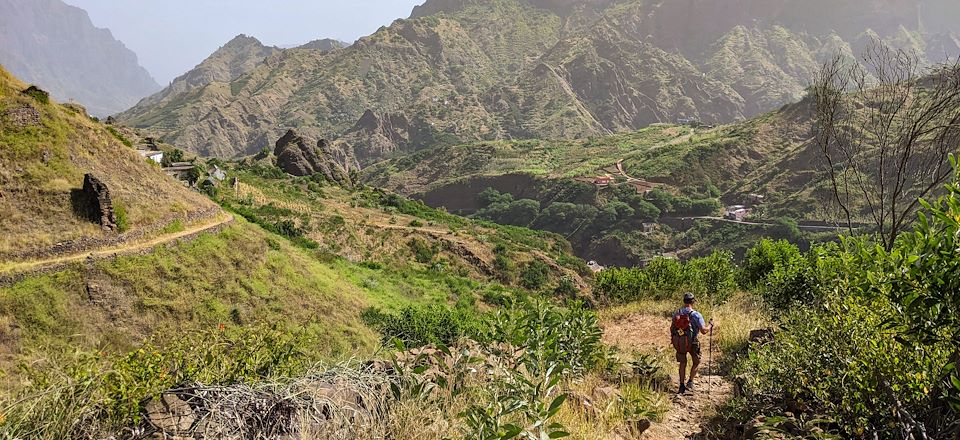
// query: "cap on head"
[[688, 298]]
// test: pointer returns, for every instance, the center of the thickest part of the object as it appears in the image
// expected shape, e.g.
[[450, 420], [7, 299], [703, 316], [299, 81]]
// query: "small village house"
[[218, 174], [595, 267], [154, 155], [603, 180], [736, 213]]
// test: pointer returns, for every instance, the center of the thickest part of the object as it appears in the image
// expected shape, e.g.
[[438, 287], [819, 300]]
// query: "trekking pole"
[[710, 361]]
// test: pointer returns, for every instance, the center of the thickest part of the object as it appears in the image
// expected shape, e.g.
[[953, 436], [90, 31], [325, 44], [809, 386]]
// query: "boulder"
[[95, 203], [37, 93], [170, 414], [633, 428], [295, 156], [761, 336]]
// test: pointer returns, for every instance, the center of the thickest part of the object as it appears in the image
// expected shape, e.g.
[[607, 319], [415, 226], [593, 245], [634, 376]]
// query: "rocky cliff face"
[[95, 203], [56, 46], [466, 70], [296, 157], [240, 55]]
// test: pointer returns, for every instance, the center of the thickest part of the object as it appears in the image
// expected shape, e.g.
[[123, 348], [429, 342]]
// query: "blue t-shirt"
[[697, 323]]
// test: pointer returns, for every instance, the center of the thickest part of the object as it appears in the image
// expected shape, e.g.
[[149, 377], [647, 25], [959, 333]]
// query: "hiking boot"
[[683, 389], [689, 385]]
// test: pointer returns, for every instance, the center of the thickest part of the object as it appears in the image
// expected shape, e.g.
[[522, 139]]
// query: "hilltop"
[[46, 150], [546, 69], [56, 46]]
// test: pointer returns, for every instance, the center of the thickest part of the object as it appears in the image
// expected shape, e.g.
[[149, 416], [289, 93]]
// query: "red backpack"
[[681, 332]]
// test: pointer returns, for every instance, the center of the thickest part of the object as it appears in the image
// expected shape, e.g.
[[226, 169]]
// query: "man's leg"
[[682, 359], [695, 354]]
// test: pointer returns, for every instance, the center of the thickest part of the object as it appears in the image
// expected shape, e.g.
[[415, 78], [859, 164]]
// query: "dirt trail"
[[690, 412], [20, 267]]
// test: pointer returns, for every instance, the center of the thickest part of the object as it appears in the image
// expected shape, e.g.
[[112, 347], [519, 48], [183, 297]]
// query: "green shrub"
[[505, 267], [566, 288], [534, 274], [284, 227], [712, 277], [789, 284], [423, 252], [846, 367], [417, 326], [715, 276], [37, 93], [764, 257], [873, 351], [788, 228], [174, 155], [67, 395], [174, 227], [120, 137], [121, 217]]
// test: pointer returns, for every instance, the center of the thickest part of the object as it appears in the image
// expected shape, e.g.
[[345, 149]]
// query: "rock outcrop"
[[295, 156], [379, 134], [96, 204]]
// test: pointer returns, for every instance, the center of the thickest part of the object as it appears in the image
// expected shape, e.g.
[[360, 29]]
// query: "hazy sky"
[[172, 36]]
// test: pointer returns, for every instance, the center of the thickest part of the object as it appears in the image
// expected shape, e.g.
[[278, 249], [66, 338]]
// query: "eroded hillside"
[[545, 70]]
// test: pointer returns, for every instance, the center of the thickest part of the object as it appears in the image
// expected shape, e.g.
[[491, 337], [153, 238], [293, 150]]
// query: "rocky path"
[[690, 412], [11, 272]]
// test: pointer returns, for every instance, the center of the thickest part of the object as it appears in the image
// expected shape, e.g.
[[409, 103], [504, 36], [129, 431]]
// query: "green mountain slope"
[[460, 71], [694, 171], [302, 255]]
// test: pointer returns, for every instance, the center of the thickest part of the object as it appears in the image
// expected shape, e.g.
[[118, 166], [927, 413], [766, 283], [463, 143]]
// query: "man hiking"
[[686, 326]]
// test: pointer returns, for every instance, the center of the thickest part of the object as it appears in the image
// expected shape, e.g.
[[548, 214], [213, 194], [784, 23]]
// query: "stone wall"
[[96, 204]]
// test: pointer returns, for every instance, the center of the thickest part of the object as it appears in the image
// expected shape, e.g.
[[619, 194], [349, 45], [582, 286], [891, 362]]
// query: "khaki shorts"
[[694, 353]]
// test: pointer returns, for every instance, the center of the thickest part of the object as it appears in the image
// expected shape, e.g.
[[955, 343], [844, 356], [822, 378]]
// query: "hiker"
[[686, 326]]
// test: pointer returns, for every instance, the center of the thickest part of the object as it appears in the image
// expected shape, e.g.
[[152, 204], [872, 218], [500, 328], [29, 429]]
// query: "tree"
[[173, 156], [490, 196], [885, 128]]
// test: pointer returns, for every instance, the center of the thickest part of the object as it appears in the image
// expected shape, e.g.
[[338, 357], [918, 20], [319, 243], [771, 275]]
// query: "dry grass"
[[610, 415], [41, 165], [629, 326]]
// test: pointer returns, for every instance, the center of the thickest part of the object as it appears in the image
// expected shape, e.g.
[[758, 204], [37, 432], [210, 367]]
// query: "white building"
[[154, 155]]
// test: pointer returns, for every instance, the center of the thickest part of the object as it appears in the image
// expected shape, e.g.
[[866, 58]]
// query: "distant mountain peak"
[[242, 40], [495, 69], [57, 47], [325, 44], [431, 7]]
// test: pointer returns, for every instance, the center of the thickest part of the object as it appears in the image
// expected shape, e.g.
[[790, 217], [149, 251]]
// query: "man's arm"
[[702, 323]]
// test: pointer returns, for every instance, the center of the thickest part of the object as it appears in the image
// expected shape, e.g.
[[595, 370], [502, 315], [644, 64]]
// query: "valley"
[[569, 71], [497, 219]]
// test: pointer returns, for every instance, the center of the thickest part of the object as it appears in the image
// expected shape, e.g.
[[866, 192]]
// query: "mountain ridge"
[[549, 69], [56, 46]]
